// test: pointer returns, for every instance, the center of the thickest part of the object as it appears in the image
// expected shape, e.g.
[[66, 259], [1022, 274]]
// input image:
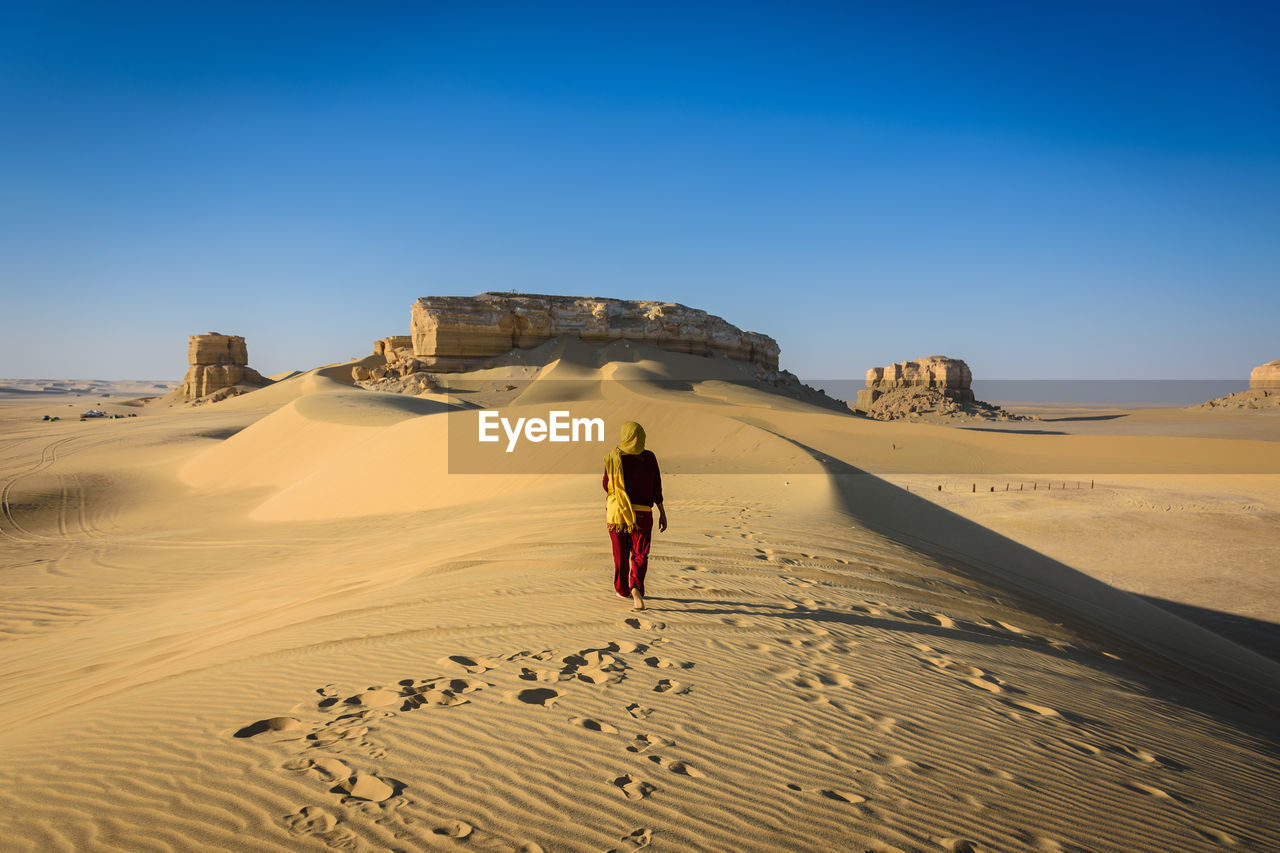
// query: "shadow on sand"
[[1022, 431], [1174, 658], [1261, 636], [1069, 418]]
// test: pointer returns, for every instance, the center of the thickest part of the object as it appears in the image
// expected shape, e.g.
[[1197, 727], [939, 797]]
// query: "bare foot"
[[638, 599]]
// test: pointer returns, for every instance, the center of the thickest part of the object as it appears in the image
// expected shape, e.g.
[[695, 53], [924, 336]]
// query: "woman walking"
[[633, 487]]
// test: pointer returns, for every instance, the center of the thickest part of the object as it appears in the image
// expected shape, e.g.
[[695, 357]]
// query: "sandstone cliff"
[[452, 333], [219, 368]]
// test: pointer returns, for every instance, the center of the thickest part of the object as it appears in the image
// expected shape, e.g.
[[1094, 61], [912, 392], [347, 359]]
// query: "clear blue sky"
[[1057, 190]]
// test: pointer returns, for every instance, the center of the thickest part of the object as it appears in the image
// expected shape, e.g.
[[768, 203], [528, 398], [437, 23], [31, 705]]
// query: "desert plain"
[[288, 621]]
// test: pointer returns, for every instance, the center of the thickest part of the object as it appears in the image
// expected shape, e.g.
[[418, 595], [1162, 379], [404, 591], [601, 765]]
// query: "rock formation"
[[394, 347], [455, 334], [950, 376], [1265, 377], [399, 363], [452, 333], [1263, 393], [219, 368], [936, 385]]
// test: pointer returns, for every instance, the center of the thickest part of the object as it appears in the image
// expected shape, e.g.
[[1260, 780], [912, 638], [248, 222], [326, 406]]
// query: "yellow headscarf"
[[618, 511]]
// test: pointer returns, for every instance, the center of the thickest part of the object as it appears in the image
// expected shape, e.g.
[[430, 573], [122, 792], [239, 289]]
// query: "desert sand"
[[287, 622]]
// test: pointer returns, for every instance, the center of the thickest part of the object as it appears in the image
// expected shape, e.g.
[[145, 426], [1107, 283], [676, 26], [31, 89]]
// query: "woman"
[[633, 485]]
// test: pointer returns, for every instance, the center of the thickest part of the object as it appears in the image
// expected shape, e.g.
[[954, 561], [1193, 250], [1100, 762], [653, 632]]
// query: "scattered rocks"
[[1254, 398]]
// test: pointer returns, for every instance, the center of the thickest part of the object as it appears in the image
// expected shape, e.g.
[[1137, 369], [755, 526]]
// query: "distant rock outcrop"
[[950, 376], [454, 333], [219, 368], [932, 385], [1263, 393]]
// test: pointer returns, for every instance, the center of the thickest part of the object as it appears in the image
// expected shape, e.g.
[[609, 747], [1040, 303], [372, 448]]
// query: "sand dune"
[[284, 622]]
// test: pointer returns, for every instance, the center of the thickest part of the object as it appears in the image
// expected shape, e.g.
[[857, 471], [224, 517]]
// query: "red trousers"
[[631, 555]]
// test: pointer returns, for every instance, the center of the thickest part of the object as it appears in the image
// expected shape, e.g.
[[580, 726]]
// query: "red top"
[[641, 477]]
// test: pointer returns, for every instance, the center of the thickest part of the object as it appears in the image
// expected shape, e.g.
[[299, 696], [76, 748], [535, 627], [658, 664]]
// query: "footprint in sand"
[[638, 711], [1158, 793], [643, 624], [433, 697], [543, 696], [472, 665], [1146, 757], [1217, 836], [929, 618], [984, 683], [593, 667], [467, 685], [375, 697], [644, 742], [633, 788], [311, 820], [594, 725], [366, 786], [596, 676], [455, 829], [271, 724], [971, 675], [317, 822], [666, 663], [590, 658], [835, 794], [527, 674], [328, 736], [329, 769], [669, 685], [959, 845], [822, 678], [1042, 710], [635, 840], [627, 647], [682, 768]]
